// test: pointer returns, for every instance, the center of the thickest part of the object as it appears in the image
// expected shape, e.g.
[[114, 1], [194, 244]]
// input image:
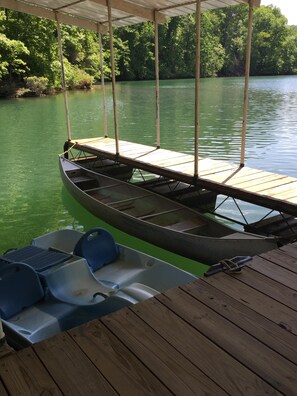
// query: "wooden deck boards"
[[262, 188], [225, 334]]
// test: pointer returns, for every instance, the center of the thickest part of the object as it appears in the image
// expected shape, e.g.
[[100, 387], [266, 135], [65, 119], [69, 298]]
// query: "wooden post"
[[113, 77], [158, 140], [197, 84], [63, 78], [246, 83], [102, 84]]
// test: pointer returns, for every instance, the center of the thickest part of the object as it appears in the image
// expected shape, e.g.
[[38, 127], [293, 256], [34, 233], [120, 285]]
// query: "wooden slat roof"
[[93, 13]]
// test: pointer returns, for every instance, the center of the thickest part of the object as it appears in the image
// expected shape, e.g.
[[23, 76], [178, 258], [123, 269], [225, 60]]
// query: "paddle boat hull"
[[51, 288]]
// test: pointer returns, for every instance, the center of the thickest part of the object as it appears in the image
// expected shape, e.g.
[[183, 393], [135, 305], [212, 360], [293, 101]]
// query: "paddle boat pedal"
[[233, 265]]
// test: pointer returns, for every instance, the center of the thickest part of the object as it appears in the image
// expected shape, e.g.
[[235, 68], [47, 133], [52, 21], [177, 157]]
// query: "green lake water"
[[32, 131]]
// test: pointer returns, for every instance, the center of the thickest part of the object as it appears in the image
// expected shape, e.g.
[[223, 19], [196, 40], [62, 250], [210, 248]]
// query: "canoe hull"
[[208, 250]]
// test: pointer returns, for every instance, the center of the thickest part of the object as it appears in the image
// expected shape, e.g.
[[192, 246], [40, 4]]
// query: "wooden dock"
[[274, 191], [225, 334]]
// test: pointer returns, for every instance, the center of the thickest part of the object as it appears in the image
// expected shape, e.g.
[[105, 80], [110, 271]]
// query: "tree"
[[137, 61], [289, 53], [12, 53], [269, 38], [232, 27], [223, 47], [39, 35], [212, 51]]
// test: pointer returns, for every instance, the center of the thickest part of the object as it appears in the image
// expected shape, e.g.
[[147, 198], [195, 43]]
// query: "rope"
[[67, 151]]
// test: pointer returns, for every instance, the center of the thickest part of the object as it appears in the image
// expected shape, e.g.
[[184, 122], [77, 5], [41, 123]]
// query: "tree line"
[[29, 59]]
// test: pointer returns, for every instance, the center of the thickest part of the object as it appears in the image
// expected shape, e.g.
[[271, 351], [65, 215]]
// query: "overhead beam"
[[256, 4], [131, 9], [127, 7], [134, 10], [66, 18], [49, 14]]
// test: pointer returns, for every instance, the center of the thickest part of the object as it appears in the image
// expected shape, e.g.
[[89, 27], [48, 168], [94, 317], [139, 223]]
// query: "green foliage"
[[269, 40], [37, 85], [171, 51], [289, 53], [29, 50], [212, 51], [81, 49], [137, 60], [38, 35], [12, 53], [232, 25], [75, 77]]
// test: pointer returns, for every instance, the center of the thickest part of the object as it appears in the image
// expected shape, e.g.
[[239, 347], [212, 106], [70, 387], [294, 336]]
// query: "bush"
[[37, 85], [23, 93], [78, 79], [75, 78]]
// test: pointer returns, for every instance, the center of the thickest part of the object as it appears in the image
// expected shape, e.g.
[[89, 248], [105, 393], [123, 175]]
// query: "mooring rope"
[[67, 151]]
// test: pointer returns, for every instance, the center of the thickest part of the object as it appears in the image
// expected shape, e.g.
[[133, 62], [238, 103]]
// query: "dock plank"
[[269, 287], [215, 170], [173, 369], [268, 365], [282, 259], [207, 356], [221, 177], [280, 191], [245, 318], [224, 334], [167, 161], [271, 190], [247, 174], [235, 287], [2, 389], [290, 249], [277, 273], [70, 368], [113, 359], [262, 183], [293, 198], [24, 375]]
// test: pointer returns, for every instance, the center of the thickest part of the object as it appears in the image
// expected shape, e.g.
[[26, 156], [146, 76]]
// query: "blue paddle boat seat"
[[38, 258], [98, 247], [20, 288]]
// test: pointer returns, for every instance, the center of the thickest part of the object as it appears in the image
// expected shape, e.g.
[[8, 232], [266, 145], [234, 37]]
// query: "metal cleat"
[[233, 265]]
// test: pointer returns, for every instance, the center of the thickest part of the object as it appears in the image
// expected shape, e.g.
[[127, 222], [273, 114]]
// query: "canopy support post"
[[63, 78], [113, 77], [158, 140], [102, 83], [246, 83], [197, 84]]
